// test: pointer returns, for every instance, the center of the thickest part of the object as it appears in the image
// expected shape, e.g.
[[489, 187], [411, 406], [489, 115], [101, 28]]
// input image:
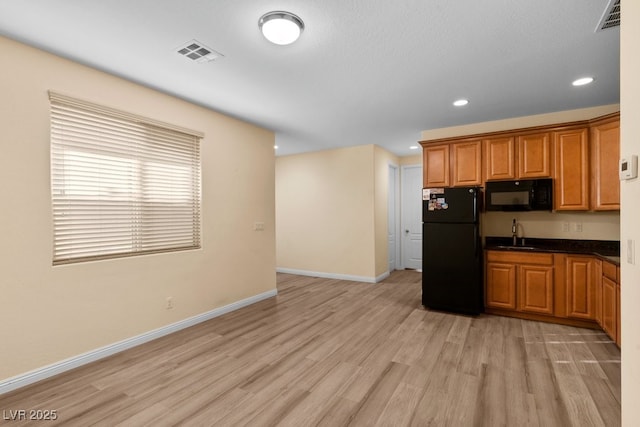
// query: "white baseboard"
[[100, 353], [366, 279]]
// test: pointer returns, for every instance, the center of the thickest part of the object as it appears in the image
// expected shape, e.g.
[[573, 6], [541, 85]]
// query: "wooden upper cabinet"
[[452, 165], [466, 164], [581, 287], [499, 155], [571, 184], [521, 157], [534, 156], [605, 153], [435, 160], [581, 157]]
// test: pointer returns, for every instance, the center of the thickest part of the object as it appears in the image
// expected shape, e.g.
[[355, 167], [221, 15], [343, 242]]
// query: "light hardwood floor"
[[331, 352]]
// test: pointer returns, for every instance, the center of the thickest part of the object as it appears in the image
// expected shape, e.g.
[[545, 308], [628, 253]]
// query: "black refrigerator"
[[452, 250]]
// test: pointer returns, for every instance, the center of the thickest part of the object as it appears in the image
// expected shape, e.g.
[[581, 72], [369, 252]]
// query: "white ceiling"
[[363, 71]]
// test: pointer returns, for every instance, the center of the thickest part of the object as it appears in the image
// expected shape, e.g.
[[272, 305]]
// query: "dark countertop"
[[609, 250]]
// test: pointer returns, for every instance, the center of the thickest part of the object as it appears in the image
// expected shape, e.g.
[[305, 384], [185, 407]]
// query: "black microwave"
[[519, 195]]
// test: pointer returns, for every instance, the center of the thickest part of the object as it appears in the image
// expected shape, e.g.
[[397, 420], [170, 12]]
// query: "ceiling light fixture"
[[461, 102], [582, 81], [281, 27], [413, 147]]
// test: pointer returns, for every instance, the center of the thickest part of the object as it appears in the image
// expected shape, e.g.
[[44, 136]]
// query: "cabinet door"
[[605, 153], [501, 286], [435, 161], [534, 156], [571, 186], [598, 273], [609, 315], [580, 287], [618, 319], [535, 289], [466, 158], [499, 155]]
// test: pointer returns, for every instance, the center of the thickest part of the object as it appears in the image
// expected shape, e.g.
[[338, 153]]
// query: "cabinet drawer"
[[609, 270], [517, 257]]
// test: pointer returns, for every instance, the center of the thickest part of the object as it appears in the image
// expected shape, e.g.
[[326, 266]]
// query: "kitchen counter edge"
[[607, 250]]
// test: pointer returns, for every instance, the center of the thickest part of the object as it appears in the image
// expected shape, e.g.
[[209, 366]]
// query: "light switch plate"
[[631, 251]]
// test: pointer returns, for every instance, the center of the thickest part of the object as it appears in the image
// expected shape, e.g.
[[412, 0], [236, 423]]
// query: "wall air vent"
[[198, 52], [610, 17]]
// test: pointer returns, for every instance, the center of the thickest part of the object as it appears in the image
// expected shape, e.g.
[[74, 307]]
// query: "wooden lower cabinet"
[[609, 293], [609, 309], [619, 320], [577, 290], [501, 289], [581, 287], [535, 289], [598, 275], [519, 282]]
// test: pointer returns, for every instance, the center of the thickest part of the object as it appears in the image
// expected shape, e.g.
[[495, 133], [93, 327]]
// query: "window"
[[121, 184]]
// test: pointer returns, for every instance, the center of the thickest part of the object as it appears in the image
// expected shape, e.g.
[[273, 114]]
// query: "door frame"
[[393, 202], [403, 169]]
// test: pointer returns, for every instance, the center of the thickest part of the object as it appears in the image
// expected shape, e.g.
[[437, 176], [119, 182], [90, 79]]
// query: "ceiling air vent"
[[198, 52], [610, 17]]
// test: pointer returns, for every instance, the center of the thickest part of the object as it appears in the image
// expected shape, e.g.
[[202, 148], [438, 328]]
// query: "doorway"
[[411, 216], [393, 214]]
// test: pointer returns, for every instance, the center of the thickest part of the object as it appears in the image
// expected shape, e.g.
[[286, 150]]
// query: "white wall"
[[331, 212], [325, 212], [630, 212], [53, 313]]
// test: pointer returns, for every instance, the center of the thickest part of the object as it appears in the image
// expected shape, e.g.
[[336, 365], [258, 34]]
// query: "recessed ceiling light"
[[413, 147], [281, 27], [461, 102], [275, 147], [582, 81]]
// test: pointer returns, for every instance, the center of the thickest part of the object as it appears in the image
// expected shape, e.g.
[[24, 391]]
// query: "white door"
[[411, 223], [393, 209]]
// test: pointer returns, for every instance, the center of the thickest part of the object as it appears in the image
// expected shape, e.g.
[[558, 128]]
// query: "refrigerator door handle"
[[476, 246]]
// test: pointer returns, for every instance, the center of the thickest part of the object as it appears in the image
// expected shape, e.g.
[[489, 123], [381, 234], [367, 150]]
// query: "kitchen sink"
[[524, 248]]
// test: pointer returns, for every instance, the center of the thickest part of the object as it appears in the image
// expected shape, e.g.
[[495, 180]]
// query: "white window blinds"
[[121, 184]]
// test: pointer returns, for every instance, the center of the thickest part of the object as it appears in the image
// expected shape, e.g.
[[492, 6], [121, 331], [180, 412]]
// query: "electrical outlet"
[[565, 227], [169, 303], [258, 226], [578, 227], [631, 252]]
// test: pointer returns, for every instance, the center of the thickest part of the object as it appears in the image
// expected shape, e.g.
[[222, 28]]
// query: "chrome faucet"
[[514, 232]]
